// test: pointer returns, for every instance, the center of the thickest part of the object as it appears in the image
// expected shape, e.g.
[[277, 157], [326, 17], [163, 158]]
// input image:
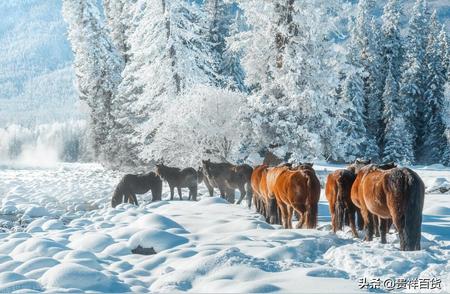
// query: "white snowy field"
[[59, 234]]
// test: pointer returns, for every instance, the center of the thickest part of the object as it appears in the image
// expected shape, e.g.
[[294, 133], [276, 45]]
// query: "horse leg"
[[172, 191], [230, 195], [134, 199], [222, 192], [289, 216], [179, 192], [376, 225], [360, 219], [284, 216], [383, 228], [249, 194], [368, 224], [242, 192], [193, 192], [351, 219]]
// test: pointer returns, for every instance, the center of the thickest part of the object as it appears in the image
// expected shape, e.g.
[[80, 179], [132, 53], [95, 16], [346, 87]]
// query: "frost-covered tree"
[[413, 79], [119, 19], [434, 142], [446, 119], [392, 43], [374, 87], [169, 53], [289, 60], [97, 65], [224, 20], [204, 124], [398, 142]]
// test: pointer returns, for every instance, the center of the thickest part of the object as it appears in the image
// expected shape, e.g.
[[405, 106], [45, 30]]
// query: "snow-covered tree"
[[204, 124], [119, 16], [169, 53], [434, 142], [392, 43], [374, 87], [413, 83], [223, 21], [398, 142], [98, 68], [446, 119], [290, 61]]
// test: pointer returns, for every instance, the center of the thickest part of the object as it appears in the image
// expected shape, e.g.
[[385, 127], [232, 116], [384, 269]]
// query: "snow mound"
[[95, 242], [212, 200], [159, 240], [439, 186], [155, 221], [36, 211], [69, 275], [36, 263]]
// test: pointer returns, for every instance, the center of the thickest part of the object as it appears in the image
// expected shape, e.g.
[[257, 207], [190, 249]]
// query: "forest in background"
[[228, 80]]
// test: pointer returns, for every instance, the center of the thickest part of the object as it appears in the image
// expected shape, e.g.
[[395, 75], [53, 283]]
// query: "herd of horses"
[[364, 195]]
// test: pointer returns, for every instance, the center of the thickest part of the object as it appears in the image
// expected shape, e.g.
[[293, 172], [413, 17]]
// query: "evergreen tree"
[[398, 142], [446, 119], [434, 142], [374, 87], [97, 66], [392, 43], [413, 82], [223, 20], [169, 53]]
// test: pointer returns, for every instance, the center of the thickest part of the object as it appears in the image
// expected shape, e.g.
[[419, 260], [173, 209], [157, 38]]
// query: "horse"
[[295, 189], [259, 198], [130, 185], [337, 191], [179, 178], [391, 193], [228, 177]]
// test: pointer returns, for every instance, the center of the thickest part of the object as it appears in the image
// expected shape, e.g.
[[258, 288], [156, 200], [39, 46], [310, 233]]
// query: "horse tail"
[[313, 186], [408, 188], [415, 189], [339, 206]]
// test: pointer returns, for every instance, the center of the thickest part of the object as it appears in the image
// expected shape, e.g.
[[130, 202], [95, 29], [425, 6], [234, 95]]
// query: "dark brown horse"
[[130, 185], [397, 194], [337, 190], [228, 177], [179, 178], [295, 189]]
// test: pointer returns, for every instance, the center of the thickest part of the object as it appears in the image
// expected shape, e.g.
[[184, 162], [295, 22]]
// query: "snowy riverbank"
[[60, 235]]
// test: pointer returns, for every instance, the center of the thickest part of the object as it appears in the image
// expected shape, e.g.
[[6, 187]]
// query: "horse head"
[[387, 165], [358, 165]]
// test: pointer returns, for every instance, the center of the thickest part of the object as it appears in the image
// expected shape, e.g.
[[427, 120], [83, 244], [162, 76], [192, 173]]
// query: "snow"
[[82, 244]]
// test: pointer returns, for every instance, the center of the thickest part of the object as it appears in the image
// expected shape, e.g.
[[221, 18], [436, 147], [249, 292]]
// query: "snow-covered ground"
[[60, 235]]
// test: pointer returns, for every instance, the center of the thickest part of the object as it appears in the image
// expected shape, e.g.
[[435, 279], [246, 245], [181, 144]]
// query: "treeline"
[[181, 81]]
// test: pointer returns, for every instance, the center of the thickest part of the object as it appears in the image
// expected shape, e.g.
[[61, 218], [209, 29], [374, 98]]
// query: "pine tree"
[[118, 17], [169, 54], [413, 82], [98, 68], [374, 87], [392, 43], [434, 142], [223, 20], [446, 119], [398, 142]]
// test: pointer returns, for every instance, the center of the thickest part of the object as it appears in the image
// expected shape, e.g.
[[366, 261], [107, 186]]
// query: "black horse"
[[130, 185], [228, 177], [179, 178]]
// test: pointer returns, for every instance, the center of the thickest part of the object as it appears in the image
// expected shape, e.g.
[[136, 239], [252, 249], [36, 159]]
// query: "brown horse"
[[179, 178], [337, 190], [259, 199], [130, 185], [397, 194], [295, 189], [227, 178]]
